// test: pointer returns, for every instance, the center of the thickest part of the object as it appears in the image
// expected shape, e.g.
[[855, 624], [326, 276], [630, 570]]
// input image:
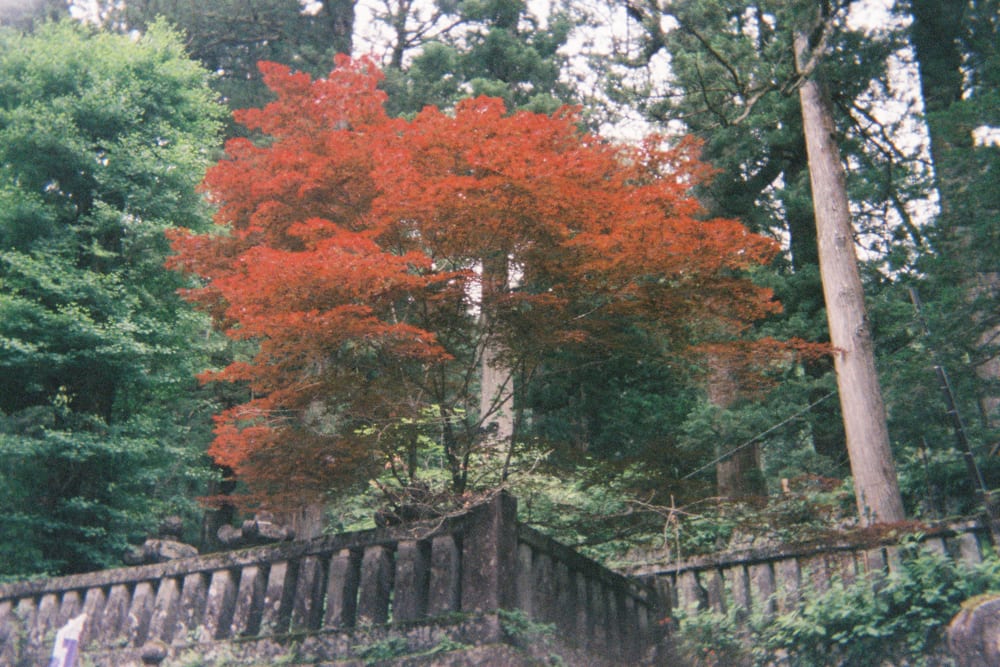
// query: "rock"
[[159, 551], [230, 535], [153, 652], [134, 556], [974, 634], [171, 528], [262, 530], [259, 530]]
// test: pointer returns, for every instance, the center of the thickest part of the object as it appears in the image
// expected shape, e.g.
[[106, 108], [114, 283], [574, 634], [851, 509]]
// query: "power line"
[[760, 435]]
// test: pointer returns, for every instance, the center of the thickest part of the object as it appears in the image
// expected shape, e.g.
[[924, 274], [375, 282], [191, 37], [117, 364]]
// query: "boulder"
[[231, 536], [261, 529], [171, 528], [974, 634], [159, 551]]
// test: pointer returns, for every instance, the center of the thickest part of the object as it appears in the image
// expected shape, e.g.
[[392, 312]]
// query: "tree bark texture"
[[875, 483], [737, 476]]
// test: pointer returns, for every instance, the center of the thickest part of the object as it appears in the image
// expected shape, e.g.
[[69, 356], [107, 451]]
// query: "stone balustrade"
[[475, 562], [771, 579], [604, 610]]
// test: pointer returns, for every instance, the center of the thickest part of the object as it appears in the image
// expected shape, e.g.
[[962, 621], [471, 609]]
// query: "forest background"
[[657, 434]]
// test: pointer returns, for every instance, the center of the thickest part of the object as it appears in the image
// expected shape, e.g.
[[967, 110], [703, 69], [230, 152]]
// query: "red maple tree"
[[373, 260]]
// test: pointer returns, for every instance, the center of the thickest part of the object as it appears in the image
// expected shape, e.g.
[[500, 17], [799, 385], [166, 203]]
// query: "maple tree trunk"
[[875, 485]]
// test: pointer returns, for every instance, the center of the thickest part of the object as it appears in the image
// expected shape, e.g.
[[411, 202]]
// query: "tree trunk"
[[737, 476], [496, 395], [875, 484], [339, 18]]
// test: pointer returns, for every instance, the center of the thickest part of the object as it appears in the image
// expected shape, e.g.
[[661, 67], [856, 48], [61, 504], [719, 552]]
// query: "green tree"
[[956, 48], [956, 60], [229, 37], [734, 82], [102, 142], [498, 48]]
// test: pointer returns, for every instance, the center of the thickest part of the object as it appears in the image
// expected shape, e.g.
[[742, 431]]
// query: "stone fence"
[[771, 579], [476, 562]]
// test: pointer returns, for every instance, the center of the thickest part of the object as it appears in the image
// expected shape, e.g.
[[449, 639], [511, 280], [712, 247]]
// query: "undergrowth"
[[894, 619]]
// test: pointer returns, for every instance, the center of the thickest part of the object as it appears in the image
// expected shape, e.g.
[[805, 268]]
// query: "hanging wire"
[[760, 435]]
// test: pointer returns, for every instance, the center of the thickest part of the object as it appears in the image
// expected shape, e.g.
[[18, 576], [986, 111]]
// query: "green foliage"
[[383, 649], [497, 48], [898, 618], [102, 142], [530, 635], [229, 37]]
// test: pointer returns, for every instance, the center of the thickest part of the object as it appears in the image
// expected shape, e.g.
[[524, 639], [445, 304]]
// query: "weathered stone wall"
[[771, 579], [472, 564]]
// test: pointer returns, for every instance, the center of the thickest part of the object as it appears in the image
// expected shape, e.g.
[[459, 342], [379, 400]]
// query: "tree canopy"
[[102, 141], [375, 259]]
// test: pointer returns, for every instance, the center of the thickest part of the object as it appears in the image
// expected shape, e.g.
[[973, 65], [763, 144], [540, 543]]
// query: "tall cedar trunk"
[[876, 487], [496, 396], [737, 476]]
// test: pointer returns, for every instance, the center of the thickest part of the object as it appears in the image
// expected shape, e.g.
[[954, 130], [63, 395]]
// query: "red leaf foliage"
[[369, 257]]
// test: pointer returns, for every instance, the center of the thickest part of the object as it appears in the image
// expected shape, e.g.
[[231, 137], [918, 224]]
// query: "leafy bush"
[[895, 619]]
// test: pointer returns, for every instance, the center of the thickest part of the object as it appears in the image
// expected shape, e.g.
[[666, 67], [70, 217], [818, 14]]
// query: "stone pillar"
[[543, 587], [597, 602], [565, 608], [967, 547], [307, 605], [814, 571], [140, 612], [788, 582], [249, 602], [69, 607], [412, 577], [93, 607], [613, 620], [762, 584], [584, 620], [277, 599], [736, 577], [846, 566], [525, 588], [690, 595], [376, 585], [115, 614], [489, 556], [45, 619], [164, 621], [8, 632], [219, 605], [191, 609], [342, 589], [444, 591], [631, 637], [715, 590]]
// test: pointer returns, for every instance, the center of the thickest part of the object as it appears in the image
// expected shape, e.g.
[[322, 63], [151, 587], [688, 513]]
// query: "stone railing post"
[[489, 556]]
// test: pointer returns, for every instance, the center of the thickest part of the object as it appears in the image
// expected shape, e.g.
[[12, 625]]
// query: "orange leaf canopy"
[[369, 257]]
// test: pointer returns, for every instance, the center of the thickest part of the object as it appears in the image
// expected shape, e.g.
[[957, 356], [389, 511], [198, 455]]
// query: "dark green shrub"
[[895, 619]]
